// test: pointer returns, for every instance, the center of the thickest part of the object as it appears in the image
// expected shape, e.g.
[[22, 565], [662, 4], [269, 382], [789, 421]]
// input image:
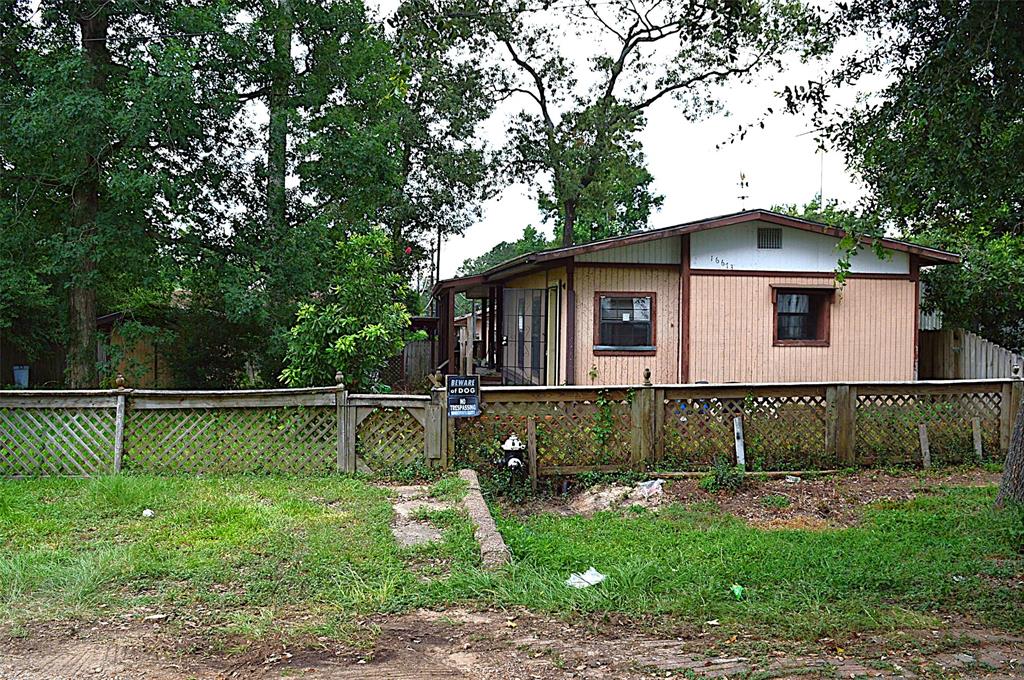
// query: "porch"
[[506, 335]]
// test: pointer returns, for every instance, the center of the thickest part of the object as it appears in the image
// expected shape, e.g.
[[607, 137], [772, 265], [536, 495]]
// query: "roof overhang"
[[531, 261]]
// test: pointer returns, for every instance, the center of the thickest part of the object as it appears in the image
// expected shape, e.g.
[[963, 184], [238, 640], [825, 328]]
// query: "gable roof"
[[522, 263]]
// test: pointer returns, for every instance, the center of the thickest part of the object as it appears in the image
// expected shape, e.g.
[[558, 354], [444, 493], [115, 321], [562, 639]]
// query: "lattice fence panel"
[[390, 437], [281, 440], [584, 432], [780, 432], [887, 427], [56, 441]]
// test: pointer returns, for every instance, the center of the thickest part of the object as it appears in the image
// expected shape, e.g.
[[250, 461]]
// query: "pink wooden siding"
[[731, 317], [625, 370]]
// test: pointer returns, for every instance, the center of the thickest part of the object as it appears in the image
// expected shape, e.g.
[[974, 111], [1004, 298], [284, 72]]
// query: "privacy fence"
[[568, 429]]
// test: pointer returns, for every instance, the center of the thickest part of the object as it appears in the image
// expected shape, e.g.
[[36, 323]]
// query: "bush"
[[723, 477]]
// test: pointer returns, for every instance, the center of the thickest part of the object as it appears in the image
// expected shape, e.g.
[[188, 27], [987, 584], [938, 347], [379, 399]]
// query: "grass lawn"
[[253, 556]]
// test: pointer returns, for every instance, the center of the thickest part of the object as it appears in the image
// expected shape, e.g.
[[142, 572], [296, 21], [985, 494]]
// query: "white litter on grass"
[[792, 479], [591, 577], [148, 513]]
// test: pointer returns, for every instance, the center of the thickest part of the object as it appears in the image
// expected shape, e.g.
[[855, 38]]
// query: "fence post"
[[341, 400], [531, 449], [1009, 402], [448, 443], [119, 424], [843, 416], [926, 450], [741, 450], [642, 416], [831, 421], [434, 430], [659, 424]]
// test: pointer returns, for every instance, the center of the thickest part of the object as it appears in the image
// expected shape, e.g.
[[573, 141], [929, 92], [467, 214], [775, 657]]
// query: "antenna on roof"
[[744, 186]]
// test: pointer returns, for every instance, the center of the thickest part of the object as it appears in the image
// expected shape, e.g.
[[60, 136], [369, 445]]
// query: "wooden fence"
[[784, 426], [568, 429], [955, 354], [292, 431]]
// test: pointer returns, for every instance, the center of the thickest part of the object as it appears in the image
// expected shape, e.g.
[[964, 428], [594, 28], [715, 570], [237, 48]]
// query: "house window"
[[769, 238], [802, 316], [624, 323]]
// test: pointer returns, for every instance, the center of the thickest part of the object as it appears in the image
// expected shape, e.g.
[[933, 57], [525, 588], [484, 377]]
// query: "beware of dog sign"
[[463, 396]]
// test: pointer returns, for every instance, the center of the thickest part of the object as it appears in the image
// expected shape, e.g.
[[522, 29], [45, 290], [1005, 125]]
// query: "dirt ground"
[[811, 503], [502, 645]]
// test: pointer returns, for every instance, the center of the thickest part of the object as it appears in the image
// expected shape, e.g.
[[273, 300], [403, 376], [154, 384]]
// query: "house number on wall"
[[724, 264]]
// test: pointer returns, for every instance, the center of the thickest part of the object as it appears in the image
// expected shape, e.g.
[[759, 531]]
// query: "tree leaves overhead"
[[940, 146], [162, 107], [583, 138]]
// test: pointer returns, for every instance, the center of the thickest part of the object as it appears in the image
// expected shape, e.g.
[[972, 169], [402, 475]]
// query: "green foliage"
[[986, 293], [405, 473], [499, 482], [449, 488], [604, 419], [940, 145], [355, 326], [108, 153], [775, 501], [586, 480], [584, 143], [530, 242], [723, 476], [237, 548], [186, 184]]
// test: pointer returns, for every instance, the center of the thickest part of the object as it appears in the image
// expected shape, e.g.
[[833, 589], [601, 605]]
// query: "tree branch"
[[541, 93]]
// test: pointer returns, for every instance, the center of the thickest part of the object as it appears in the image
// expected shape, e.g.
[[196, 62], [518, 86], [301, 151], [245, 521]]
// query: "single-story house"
[[747, 297]]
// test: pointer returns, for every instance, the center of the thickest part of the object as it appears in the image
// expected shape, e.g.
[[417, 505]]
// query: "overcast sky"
[[781, 163]]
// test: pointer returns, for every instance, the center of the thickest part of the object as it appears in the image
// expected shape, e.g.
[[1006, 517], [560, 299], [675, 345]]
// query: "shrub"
[[723, 477]]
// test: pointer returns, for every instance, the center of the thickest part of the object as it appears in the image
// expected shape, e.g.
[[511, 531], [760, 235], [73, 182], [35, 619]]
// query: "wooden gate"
[[382, 431]]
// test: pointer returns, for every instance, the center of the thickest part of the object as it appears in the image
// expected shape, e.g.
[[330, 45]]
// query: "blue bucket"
[[21, 376]]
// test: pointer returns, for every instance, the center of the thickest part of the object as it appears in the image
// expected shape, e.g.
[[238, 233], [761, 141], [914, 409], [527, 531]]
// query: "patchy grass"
[[775, 501], [902, 566], [451, 489], [243, 552], [257, 556]]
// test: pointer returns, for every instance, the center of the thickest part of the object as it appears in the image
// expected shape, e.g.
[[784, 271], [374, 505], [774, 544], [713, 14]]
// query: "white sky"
[[781, 162]]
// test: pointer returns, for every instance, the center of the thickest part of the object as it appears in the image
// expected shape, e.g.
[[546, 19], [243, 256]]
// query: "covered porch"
[[506, 331]]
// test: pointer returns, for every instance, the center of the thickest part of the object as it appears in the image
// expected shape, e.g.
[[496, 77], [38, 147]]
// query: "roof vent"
[[769, 238]]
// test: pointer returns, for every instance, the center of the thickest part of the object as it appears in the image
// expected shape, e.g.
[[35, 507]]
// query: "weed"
[[451, 489], [723, 477], [247, 550], [588, 479], [406, 473], [775, 501]]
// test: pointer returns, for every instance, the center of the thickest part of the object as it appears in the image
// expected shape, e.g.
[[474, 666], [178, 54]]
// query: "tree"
[[108, 131], [584, 143], [445, 171], [940, 149], [530, 242], [356, 325]]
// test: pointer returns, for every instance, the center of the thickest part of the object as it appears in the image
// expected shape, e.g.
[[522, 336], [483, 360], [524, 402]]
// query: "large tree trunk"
[[85, 205], [278, 104], [569, 223], [1012, 488]]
